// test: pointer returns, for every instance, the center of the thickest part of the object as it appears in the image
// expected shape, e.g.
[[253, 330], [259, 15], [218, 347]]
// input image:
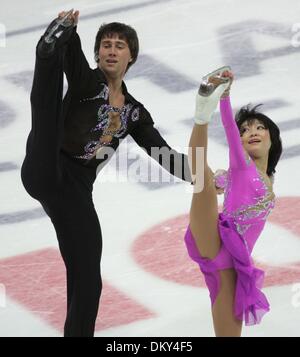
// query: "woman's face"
[[255, 138]]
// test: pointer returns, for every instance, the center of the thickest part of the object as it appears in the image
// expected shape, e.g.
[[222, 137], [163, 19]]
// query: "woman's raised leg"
[[204, 208]]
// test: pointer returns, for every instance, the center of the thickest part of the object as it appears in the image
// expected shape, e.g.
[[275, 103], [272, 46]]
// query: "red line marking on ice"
[[287, 214], [36, 280]]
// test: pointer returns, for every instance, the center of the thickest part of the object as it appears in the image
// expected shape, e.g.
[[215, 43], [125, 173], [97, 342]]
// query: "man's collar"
[[128, 97]]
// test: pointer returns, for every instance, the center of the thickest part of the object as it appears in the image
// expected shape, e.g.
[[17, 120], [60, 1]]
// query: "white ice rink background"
[[151, 288]]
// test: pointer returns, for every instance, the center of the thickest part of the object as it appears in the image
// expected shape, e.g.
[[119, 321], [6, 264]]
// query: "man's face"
[[114, 56]]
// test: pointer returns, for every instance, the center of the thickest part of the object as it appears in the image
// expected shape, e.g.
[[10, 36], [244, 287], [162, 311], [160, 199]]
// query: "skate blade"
[[207, 88], [65, 21], [218, 73]]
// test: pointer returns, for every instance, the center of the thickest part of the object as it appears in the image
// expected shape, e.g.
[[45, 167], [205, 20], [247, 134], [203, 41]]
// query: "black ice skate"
[[207, 88], [57, 33]]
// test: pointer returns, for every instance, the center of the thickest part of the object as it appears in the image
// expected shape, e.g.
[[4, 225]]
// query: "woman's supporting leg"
[[225, 323], [204, 208]]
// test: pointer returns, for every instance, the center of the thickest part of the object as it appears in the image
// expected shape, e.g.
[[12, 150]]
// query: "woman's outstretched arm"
[[237, 155]]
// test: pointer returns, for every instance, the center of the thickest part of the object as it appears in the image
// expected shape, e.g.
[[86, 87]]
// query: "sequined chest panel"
[[111, 123], [259, 205]]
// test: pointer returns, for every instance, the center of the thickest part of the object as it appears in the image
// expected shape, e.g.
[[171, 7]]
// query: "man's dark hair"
[[124, 32], [248, 114]]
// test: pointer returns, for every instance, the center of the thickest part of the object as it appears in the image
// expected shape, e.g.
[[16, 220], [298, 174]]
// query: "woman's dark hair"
[[249, 114], [124, 32]]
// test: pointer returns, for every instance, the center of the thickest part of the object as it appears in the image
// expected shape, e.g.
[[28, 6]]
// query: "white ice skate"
[[209, 94]]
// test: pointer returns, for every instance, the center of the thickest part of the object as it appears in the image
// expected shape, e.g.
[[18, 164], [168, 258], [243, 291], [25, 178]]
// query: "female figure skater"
[[60, 165], [222, 243]]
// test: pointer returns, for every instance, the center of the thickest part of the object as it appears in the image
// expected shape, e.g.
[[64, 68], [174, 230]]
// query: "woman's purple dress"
[[247, 203]]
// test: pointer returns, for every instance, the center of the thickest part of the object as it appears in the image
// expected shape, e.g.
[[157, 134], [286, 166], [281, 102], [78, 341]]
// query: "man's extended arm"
[[149, 138]]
